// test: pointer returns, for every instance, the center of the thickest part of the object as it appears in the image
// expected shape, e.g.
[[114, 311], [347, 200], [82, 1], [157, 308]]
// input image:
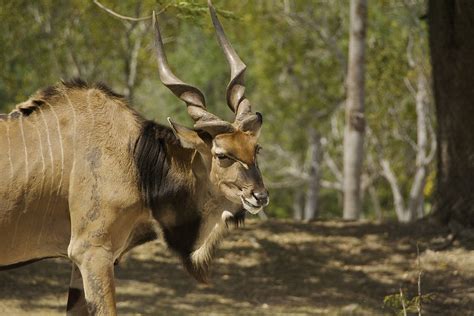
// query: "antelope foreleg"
[[96, 266], [76, 301]]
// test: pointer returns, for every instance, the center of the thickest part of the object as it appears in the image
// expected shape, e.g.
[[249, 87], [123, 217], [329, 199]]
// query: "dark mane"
[[150, 154], [75, 83], [108, 91]]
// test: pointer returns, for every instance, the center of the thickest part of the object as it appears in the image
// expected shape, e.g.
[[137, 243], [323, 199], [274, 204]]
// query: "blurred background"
[[297, 55]]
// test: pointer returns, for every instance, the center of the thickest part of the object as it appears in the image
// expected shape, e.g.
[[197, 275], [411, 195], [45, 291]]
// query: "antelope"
[[85, 177]]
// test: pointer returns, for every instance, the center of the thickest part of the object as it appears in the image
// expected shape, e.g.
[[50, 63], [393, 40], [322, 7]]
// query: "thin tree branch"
[[397, 195], [409, 86], [406, 138], [127, 18]]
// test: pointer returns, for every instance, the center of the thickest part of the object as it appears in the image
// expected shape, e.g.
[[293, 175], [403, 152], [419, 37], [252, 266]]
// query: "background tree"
[[355, 117], [409, 201], [452, 52]]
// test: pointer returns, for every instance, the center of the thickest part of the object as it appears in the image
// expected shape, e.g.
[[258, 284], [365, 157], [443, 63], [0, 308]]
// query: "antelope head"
[[228, 150]]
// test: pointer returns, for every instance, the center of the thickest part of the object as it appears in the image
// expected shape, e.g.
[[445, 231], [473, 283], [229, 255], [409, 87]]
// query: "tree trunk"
[[312, 193], [131, 63], [416, 199], [355, 121], [451, 30], [298, 201]]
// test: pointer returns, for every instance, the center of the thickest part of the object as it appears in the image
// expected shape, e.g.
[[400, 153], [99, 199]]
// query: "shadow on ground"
[[335, 268]]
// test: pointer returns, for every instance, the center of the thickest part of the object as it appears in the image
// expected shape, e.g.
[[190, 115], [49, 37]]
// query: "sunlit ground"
[[273, 268]]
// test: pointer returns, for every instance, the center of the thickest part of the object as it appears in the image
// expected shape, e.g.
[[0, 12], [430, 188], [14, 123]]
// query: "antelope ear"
[[188, 138], [252, 123]]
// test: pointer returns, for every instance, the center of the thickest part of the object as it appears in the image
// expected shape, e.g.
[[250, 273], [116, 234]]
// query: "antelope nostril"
[[261, 196]]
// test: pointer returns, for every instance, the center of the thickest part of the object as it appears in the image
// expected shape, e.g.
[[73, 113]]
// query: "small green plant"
[[402, 305]]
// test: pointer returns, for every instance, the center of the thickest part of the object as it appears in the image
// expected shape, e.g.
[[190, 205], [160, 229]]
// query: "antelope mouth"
[[249, 206]]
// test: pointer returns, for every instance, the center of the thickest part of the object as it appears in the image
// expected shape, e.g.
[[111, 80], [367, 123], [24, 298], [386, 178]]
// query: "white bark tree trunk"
[[311, 208], [135, 33], [414, 207], [416, 199], [355, 121], [398, 200]]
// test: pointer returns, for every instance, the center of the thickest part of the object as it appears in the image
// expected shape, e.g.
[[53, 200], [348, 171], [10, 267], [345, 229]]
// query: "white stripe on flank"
[[50, 147], [50, 150], [60, 146], [74, 122], [9, 153], [25, 188], [43, 164], [9, 150], [43, 168], [27, 168]]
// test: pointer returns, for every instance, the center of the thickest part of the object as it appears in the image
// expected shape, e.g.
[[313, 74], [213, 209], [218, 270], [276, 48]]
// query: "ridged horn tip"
[[236, 86]]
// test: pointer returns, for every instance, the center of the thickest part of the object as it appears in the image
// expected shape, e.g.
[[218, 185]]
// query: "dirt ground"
[[276, 268]]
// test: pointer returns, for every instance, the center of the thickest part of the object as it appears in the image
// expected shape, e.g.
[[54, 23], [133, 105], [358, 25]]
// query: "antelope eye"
[[222, 157], [224, 160], [259, 149]]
